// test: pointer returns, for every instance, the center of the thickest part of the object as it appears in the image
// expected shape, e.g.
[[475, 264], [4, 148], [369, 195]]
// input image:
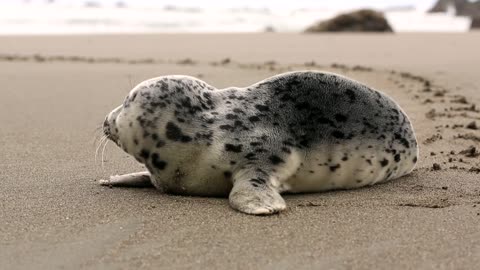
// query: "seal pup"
[[303, 131]]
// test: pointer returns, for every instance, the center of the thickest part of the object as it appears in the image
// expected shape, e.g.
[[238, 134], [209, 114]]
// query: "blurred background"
[[213, 16], [60, 75]]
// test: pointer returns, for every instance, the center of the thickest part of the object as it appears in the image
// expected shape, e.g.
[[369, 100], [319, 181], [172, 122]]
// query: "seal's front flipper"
[[140, 179], [256, 195]]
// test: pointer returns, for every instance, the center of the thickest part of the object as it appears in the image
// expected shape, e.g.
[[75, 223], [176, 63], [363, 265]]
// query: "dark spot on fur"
[[157, 163], [233, 148], [384, 162], [341, 117], [250, 156], [254, 119], [174, 133], [334, 167], [397, 157], [338, 134], [186, 139], [231, 116], [405, 143], [261, 108], [287, 97], [239, 123], [351, 95], [160, 143], [144, 153], [226, 127], [256, 182], [402, 140], [275, 159], [323, 120], [303, 143], [237, 110]]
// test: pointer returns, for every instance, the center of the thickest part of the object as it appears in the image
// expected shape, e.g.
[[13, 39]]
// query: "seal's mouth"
[[107, 131], [111, 126]]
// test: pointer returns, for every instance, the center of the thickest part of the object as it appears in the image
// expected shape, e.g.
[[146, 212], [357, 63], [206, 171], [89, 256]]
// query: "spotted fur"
[[298, 132]]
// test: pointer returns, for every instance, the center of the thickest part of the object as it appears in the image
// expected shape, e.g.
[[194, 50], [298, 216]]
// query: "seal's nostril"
[[105, 123]]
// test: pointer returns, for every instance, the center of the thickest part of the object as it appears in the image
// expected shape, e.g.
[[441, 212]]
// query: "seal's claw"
[[104, 182], [141, 179]]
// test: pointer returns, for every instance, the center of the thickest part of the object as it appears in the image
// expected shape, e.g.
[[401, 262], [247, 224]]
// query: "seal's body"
[[295, 132]]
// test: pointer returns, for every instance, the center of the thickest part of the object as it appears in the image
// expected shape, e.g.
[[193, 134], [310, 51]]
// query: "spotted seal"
[[303, 131]]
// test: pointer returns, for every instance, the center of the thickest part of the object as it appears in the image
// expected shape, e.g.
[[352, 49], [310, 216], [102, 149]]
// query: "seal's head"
[[131, 125], [154, 112], [110, 129]]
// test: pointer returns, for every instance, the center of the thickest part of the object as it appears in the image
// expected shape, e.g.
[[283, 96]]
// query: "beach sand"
[[55, 91]]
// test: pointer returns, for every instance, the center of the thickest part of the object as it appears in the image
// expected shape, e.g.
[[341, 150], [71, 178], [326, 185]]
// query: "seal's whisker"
[[96, 137], [96, 149], [103, 151], [102, 140], [130, 82], [97, 132]]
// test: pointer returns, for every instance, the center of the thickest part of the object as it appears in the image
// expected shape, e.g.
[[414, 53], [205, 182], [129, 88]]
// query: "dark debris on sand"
[[472, 125], [470, 152]]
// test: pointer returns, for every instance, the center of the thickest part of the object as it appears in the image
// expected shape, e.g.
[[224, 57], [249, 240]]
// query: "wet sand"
[[56, 91]]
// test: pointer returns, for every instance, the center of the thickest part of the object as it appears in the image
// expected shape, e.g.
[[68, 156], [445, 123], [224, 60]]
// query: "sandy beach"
[[56, 90]]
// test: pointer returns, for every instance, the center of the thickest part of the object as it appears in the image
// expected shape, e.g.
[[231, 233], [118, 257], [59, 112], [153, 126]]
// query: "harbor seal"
[[303, 131]]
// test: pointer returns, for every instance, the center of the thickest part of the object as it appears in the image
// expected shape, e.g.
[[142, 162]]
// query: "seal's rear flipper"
[[254, 193], [256, 200], [140, 179]]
